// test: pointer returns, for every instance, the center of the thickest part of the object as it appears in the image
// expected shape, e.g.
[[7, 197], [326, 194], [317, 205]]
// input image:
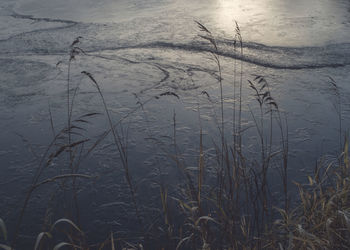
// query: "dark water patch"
[[31, 17], [289, 58], [332, 56]]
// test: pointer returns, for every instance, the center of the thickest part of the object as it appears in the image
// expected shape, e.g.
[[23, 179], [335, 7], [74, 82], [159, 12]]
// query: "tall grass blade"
[[122, 149], [346, 152], [5, 247], [39, 239], [65, 244], [3, 229], [201, 167], [112, 241], [183, 241], [66, 221]]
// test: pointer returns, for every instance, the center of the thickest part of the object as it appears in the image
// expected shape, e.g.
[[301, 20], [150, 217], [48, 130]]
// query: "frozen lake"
[[139, 49]]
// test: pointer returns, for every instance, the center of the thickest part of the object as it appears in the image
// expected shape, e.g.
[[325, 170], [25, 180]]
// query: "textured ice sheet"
[[137, 50]]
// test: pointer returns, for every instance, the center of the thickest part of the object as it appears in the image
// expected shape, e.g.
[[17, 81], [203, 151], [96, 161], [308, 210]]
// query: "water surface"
[[148, 48]]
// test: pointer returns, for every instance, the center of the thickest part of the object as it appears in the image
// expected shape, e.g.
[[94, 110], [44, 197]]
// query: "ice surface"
[[138, 49]]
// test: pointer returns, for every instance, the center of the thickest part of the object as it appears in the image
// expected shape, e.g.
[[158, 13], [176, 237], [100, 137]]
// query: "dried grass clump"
[[321, 218]]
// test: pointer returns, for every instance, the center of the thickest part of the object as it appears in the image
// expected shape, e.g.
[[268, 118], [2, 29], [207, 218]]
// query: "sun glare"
[[226, 13]]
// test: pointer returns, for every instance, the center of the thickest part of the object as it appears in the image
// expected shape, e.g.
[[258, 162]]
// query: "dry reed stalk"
[[120, 147]]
